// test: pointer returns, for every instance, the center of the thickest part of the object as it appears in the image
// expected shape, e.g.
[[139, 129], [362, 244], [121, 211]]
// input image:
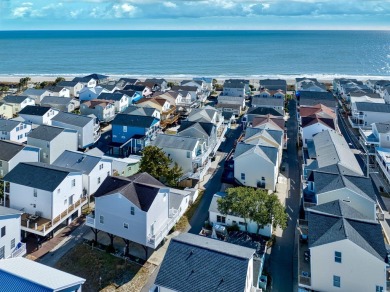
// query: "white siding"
[[61, 198], [12, 231], [358, 271], [98, 173], [309, 131], [158, 213]]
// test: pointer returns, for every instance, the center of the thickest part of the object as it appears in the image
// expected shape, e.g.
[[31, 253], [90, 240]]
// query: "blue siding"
[[118, 136], [136, 97]]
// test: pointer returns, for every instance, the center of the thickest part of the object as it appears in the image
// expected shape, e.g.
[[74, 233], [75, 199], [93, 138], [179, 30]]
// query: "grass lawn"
[[91, 264], [182, 224]]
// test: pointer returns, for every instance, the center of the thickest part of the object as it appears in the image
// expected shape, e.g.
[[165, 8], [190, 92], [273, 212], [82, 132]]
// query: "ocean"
[[183, 54]]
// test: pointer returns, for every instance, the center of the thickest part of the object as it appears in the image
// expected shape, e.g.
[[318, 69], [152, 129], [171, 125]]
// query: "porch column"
[[127, 242]]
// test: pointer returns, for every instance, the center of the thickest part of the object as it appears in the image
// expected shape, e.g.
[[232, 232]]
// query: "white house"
[[236, 87], [39, 115], [196, 83], [88, 127], [12, 153], [64, 104], [198, 263], [18, 102], [309, 84], [267, 93], [14, 130], [94, 169], [340, 240], [10, 244], [216, 217], [138, 208], [275, 103], [366, 113], [315, 119], [59, 91], [258, 157], [377, 136], [48, 195], [52, 141], [73, 86], [89, 93], [104, 110], [22, 274], [37, 94], [229, 102], [6, 110], [120, 100]]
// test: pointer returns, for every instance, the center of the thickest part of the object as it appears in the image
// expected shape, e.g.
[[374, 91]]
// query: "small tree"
[[171, 84], [238, 201], [58, 80], [157, 164]]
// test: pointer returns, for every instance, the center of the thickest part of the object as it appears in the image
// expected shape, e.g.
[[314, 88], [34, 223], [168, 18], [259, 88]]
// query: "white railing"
[[19, 251], [164, 231], [90, 220]]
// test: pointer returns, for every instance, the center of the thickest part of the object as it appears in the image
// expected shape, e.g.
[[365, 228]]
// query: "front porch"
[[33, 223]]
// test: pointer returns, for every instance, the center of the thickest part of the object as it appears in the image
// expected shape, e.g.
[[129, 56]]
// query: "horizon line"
[[189, 29]]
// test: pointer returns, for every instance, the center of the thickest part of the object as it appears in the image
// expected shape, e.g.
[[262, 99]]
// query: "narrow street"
[[214, 184], [281, 260]]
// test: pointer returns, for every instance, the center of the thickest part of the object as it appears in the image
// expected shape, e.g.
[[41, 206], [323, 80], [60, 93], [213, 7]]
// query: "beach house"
[[64, 104], [52, 141], [104, 110], [48, 195], [10, 231], [236, 87], [14, 130], [18, 102], [12, 153], [121, 101], [39, 115]]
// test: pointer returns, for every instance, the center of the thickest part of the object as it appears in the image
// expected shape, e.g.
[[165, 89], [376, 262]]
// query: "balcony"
[[19, 251], [43, 226], [90, 220], [169, 121], [154, 240], [169, 111]]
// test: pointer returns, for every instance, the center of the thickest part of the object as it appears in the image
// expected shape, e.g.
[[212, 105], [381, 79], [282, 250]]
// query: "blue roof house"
[[126, 127]]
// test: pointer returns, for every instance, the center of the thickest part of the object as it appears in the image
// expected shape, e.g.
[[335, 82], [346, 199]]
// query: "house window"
[[242, 176], [65, 201], [378, 289], [241, 223], [125, 225], [388, 138], [221, 219], [337, 257], [2, 252], [101, 219], [3, 231], [132, 210], [336, 281], [58, 191], [98, 180], [35, 193], [124, 129], [188, 154], [12, 243], [108, 173], [73, 182]]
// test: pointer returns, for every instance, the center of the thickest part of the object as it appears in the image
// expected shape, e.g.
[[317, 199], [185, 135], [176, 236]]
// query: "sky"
[[194, 14]]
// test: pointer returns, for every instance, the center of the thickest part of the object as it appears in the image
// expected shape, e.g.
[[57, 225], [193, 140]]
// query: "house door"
[[70, 200], [152, 229]]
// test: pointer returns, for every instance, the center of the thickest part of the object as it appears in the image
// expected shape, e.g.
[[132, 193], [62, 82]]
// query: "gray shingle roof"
[[68, 83], [273, 82], [196, 263], [38, 175], [331, 149], [263, 111], [9, 149], [45, 132], [195, 129], [15, 98], [8, 125], [268, 153], [35, 110], [270, 101], [133, 120], [264, 137], [4, 211], [372, 107], [383, 128], [55, 100], [312, 98], [339, 208], [140, 189], [77, 160], [110, 96], [34, 91], [235, 83], [324, 229], [175, 142], [72, 119], [139, 110]]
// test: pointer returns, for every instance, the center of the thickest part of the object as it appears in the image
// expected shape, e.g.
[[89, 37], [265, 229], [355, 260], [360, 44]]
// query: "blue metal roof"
[[11, 283]]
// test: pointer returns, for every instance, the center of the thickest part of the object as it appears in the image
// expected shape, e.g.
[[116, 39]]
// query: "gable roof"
[[205, 114], [263, 111], [196, 129], [97, 102], [56, 100], [45, 132], [273, 82], [383, 128], [8, 125], [175, 142], [268, 153], [15, 98], [77, 160], [35, 110], [310, 98], [269, 121], [72, 119], [139, 110], [9, 149], [324, 229], [267, 101], [38, 175], [235, 83], [331, 149], [264, 137], [140, 189], [97, 77], [339, 208], [183, 267], [68, 83], [34, 91], [373, 107], [110, 96], [134, 120], [22, 274]]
